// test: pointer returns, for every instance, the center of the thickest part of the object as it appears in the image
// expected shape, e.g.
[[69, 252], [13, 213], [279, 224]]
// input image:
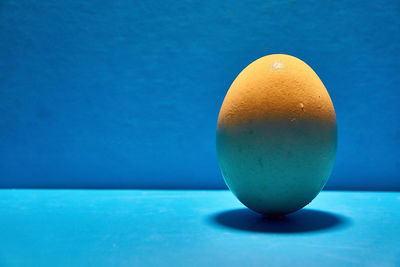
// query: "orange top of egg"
[[276, 87]]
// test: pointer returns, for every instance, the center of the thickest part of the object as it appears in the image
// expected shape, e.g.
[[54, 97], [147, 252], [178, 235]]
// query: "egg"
[[276, 135]]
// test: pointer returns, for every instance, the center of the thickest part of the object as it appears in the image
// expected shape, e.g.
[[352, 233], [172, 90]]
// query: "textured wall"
[[126, 93]]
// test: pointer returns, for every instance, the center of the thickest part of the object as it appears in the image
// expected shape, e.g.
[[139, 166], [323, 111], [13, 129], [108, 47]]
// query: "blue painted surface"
[[127, 93], [193, 228]]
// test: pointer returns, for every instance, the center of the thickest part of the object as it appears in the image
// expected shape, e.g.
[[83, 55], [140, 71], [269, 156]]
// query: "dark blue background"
[[127, 93]]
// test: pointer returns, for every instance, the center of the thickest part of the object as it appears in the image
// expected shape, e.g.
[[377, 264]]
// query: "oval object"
[[276, 135]]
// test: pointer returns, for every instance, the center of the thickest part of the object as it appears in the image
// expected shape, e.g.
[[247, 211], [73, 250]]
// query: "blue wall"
[[127, 93]]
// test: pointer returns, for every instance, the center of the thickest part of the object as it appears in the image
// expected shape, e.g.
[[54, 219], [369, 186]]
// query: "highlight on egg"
[[276, 135]]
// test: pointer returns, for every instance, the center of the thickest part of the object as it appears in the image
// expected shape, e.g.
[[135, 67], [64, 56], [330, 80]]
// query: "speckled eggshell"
[[276, 135]]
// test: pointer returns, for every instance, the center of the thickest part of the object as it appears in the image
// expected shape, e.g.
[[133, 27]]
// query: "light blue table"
[[193, 228]]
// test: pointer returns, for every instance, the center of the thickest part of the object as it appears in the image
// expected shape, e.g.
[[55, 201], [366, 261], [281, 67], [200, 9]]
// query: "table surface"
[[194, 228]]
